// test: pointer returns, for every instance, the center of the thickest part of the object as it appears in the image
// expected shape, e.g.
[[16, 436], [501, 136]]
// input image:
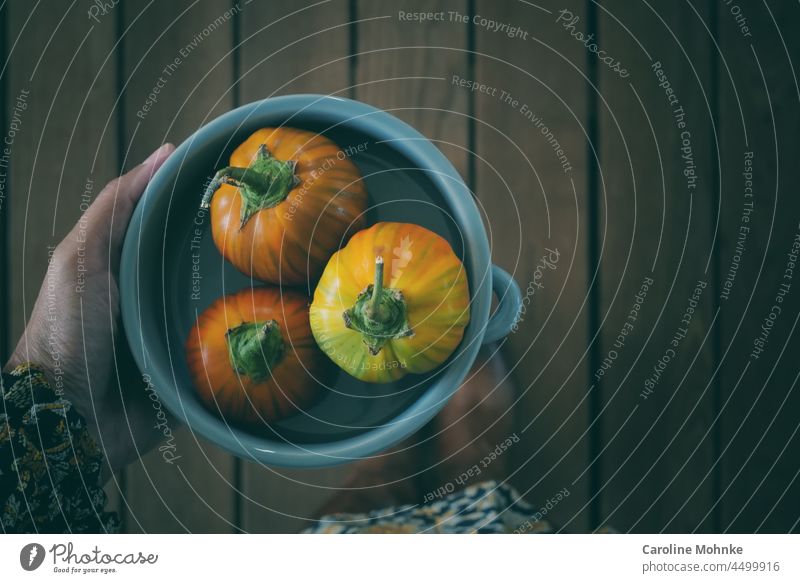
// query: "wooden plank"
[[657, 212], [54, 125], [405, 66], [63, 137], [5, 185], [285, 49], [760, 490], [531, 182], [181, 53]]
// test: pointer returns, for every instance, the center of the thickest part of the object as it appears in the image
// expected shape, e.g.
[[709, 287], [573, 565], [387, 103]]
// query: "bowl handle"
[[510, 302]]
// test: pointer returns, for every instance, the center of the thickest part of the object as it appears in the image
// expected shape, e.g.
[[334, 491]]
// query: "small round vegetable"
[[284, 204], [394, 301], [252, 357]]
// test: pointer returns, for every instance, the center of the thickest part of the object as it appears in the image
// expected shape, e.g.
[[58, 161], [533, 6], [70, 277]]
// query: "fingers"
[[129, 187], [107, 218]]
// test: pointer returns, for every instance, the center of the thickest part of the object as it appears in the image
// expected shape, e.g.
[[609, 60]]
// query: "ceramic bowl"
[[171, 271]]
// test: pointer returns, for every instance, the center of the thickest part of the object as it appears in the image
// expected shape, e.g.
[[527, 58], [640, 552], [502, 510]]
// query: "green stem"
[[265, 183], [373, 307], [379, 313], [255, 348]]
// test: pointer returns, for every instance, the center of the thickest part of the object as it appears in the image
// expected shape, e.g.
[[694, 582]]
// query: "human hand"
[[75, 334]]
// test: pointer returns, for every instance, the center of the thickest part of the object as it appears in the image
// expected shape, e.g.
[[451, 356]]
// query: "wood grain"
[[405, 67], [58, 70], [5, 239], [181, 52], [531, 131], [656, 368], [758, 95]]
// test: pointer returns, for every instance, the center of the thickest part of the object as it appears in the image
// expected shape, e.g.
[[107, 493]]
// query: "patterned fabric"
[[49, 464], [484, 508], [50, 469]]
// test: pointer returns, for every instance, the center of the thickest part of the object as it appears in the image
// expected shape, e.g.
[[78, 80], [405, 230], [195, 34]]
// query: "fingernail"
[[155, 154]]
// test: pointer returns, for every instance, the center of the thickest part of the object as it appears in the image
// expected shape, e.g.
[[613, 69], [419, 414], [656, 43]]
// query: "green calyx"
[[264, 184], [255, 348], [379, 313]]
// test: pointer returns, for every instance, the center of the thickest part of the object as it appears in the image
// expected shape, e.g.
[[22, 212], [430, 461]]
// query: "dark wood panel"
[[291, 48], [405, 67], [5, 190], [531, 132], [657, 210], [65, 111], [177, 72], [60, 90], [760, 299]]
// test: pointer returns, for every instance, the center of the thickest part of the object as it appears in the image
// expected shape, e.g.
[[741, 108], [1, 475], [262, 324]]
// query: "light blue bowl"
[[171, 271]]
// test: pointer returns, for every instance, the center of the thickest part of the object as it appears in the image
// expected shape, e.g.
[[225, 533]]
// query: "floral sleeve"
[[49, 463]]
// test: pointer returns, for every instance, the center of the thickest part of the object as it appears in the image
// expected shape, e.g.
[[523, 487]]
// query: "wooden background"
[[713, 448]]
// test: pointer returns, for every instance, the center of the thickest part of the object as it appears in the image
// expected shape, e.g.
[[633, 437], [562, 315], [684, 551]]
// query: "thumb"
[[107, 219]]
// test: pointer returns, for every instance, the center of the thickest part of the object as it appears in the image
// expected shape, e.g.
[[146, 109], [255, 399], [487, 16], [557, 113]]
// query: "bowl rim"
[[379, 125]]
